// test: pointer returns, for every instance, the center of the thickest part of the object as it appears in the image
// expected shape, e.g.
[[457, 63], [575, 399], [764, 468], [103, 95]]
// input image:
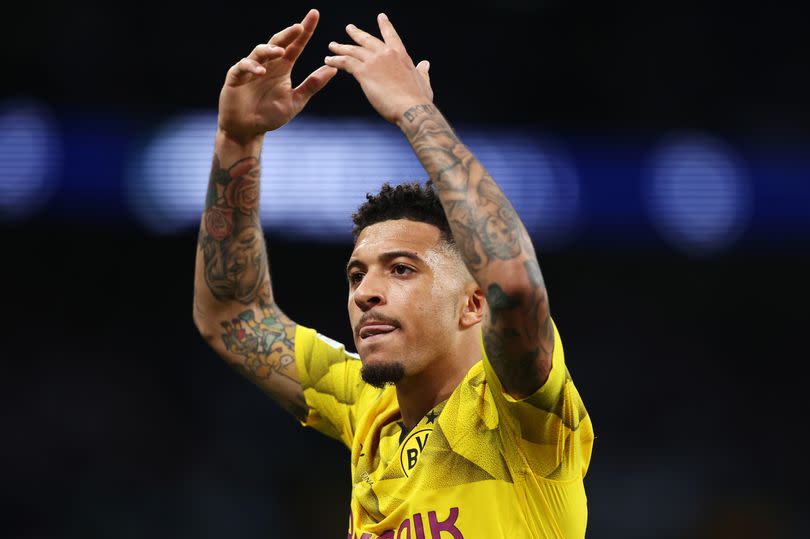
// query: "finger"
[[423, 67], [313, 84], [308, 25], [363, 38], [265, 52], [244, 70], [349, 50], [389, 35], [286, 36], [344, 63]]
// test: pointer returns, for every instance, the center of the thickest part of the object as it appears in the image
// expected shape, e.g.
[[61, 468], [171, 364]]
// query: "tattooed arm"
[[517, 328], [518, 332], [234, 308]]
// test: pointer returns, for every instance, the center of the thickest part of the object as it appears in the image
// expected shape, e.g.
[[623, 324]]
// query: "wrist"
[[227, 142], [415, 113]]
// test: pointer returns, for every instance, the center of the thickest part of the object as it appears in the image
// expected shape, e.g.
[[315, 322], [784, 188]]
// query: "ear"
[[473, 310]]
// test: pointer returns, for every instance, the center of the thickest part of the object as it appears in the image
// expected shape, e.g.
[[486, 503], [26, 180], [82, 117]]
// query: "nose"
[[369, 293]]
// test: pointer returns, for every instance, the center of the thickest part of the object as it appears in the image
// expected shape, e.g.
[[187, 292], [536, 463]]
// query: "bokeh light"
[[30, 158], [697, 193], [538, 176], [315, 173]]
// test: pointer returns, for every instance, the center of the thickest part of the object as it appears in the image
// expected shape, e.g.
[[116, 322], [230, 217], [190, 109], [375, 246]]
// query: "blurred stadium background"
[[659, 153]]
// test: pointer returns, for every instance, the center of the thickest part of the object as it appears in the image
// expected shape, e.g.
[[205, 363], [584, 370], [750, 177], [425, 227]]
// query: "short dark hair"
[[410, 200]]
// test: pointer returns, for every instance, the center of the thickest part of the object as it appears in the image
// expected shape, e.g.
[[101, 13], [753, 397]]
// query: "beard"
[[381, 374]]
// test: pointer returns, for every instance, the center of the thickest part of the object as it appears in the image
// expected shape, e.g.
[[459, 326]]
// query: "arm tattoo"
[[413, 112], [260, 339], [484, 223], [499, 301], [515, 368], [501, 228], [514, 348], [492, 241], [231, 236], [264, 342]]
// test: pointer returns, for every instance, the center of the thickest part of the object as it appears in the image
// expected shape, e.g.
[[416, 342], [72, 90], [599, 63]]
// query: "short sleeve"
[[550, 429], [330, 378]]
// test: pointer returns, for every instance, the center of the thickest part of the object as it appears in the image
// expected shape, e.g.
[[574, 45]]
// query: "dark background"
[[732, 67], [118, 421]]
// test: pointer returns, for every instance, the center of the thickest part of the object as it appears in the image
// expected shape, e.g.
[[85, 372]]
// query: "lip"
[[373, 330], [374, 339]]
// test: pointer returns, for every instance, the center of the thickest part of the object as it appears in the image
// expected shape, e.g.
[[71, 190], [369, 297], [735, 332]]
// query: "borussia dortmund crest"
[[411, 449]]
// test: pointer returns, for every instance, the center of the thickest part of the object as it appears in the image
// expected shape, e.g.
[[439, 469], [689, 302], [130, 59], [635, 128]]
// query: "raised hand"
[[384, 69], [258, 95]]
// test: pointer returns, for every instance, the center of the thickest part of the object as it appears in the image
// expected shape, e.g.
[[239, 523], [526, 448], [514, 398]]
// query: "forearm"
[[231, 267], [491, 237], [233, 300], [496, 248]]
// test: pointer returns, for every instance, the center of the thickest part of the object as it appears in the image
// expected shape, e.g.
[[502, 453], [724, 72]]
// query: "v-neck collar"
[[429, 418]]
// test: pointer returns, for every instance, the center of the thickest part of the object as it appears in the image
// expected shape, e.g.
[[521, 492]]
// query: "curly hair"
[[409, 200]]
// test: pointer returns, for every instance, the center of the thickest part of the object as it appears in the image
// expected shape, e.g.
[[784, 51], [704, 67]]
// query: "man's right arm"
[[234, 308]]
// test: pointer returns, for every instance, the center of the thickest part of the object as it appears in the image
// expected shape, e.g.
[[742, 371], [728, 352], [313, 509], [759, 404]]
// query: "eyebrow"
[[385, 257]]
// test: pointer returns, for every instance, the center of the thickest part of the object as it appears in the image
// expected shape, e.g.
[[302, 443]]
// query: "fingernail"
[[383, 16]]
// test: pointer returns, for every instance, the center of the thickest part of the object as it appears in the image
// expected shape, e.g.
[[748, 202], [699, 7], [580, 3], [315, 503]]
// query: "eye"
[[402, 269], [356, 277]]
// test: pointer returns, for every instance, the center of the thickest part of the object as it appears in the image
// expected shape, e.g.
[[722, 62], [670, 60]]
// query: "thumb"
[[423, 67]]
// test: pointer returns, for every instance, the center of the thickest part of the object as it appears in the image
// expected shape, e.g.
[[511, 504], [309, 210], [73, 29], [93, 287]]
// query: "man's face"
[[405, 298]]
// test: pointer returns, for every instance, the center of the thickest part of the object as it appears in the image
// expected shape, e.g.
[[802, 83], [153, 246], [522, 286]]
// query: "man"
[[459, 412]]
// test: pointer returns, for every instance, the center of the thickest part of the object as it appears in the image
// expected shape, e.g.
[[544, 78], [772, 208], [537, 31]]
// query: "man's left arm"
[[517, 328], [518, 332]]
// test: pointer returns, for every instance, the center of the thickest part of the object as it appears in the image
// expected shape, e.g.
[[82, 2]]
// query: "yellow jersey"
[[480, 465]]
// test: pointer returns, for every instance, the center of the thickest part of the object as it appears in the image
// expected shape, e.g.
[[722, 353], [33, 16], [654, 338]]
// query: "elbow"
[[207, 330], [518, 297], [522, 282], [511, 294]]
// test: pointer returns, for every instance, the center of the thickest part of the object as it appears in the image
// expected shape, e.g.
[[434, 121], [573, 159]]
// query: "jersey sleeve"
[[330, 378], [550, 430]]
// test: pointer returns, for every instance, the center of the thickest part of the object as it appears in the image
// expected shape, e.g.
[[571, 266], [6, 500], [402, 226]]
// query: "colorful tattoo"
[[264, 343], [231, 236]]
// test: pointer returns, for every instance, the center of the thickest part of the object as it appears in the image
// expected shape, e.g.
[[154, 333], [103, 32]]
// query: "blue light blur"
[[698, 193], [30, 158], [315, 173], [691, 192]]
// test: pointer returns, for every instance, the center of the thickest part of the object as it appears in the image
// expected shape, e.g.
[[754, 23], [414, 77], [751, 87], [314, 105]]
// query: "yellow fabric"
[[479, 465]]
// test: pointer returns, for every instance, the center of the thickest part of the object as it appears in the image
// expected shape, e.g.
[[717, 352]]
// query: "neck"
[[419, 393]]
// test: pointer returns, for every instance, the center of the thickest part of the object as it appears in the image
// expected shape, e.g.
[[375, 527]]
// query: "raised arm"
[[518, 332], [517, 328], [234, 308]]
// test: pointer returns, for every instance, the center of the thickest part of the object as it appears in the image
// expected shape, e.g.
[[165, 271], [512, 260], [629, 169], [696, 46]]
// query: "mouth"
[[375, 331]]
